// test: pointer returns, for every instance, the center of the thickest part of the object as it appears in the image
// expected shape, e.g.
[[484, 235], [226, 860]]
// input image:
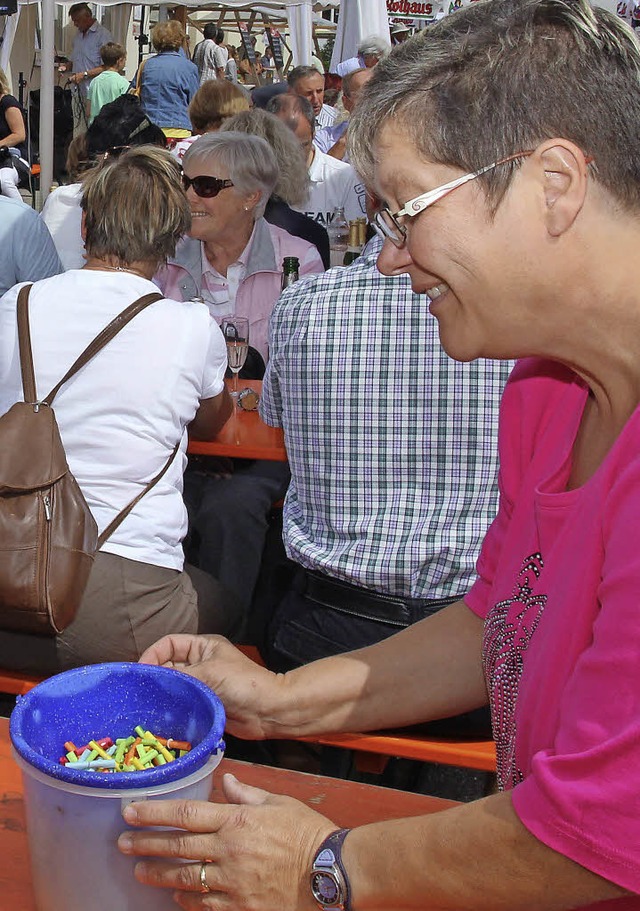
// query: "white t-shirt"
[[181, 148], [220, 56], [62, 215], [333, 183], [121, 416]]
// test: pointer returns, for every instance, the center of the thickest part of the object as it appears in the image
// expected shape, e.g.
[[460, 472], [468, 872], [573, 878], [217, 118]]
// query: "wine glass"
[[236, 334]]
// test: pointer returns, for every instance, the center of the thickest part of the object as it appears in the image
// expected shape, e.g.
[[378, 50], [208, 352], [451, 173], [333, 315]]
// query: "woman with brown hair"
[[212, 104], [125, 415]]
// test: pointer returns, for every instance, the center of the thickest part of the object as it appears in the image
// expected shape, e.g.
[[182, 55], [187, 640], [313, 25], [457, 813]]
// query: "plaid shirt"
[[392, 445]]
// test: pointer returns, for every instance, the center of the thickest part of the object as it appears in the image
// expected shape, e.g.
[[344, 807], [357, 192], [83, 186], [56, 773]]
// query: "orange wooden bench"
[[16, 684], [470, 754]]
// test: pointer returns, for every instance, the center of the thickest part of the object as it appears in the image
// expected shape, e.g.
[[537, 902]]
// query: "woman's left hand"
[[254, 854]]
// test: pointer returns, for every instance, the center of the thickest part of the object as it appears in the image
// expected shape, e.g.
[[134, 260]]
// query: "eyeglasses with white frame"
[[386, 223]]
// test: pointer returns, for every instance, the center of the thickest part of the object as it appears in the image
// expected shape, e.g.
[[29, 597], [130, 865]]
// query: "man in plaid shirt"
[[393, 454]]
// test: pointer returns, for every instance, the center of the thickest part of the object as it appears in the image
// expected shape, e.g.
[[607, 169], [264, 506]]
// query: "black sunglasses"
[[206, 187]]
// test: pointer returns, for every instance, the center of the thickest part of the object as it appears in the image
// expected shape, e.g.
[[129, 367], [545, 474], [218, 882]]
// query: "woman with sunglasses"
[[232, 259], [124, 417]]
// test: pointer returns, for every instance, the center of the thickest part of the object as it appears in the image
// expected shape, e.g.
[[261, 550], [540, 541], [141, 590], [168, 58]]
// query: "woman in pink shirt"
[[505, 143]]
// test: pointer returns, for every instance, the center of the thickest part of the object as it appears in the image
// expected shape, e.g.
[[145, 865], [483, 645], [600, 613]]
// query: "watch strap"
[[330, 855]]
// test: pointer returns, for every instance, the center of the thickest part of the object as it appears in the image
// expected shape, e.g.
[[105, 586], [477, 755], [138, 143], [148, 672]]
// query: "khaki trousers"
[[126, 607]]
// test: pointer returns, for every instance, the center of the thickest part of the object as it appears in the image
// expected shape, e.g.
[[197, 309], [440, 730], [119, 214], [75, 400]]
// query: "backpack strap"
[[111, 527], [102, 339], [24, 344]]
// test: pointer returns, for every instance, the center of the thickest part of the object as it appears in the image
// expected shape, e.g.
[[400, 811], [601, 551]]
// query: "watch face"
[[325, 888]]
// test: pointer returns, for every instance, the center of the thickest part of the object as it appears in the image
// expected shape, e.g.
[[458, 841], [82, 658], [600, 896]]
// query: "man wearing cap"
[[307, 82], [400, 33]]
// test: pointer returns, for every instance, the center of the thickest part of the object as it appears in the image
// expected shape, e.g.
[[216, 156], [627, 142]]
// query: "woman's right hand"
[[248, 691]]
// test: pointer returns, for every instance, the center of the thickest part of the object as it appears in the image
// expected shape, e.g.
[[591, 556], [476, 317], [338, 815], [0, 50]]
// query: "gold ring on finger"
[[204, 885]]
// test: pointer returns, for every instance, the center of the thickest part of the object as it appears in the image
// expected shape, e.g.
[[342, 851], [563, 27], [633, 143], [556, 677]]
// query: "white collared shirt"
[[219, 291], [326, 117]]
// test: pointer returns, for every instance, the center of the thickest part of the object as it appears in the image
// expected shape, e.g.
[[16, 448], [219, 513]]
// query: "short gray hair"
[[373, 46], [301, 72], [292, 185], [249, 160], [499, 77], [347, 81]]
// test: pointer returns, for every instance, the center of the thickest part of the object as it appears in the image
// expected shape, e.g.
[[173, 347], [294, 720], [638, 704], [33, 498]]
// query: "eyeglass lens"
[[205, 187], [389, 227]]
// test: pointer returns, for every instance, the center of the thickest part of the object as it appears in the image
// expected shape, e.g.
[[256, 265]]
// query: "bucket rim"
[[131, 794], [211, 743]]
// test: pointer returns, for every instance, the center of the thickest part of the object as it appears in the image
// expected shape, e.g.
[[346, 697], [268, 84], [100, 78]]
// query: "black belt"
[[365, 603]]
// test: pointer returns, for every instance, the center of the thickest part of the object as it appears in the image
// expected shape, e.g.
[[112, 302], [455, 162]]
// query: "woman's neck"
[[143, 269], [221, 254]]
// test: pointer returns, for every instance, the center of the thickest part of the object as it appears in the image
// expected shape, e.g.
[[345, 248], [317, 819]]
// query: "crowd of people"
[[459, 408]]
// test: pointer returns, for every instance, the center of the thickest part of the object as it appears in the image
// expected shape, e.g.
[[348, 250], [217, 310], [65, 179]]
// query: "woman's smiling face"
[[472, 265], [220, 218]]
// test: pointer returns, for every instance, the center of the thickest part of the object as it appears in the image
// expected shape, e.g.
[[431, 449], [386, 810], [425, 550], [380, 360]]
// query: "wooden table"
[[347, 803], [245, 436]]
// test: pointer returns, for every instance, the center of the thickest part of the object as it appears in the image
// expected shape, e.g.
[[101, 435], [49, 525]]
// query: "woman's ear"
[[252, 200], [563, 171]]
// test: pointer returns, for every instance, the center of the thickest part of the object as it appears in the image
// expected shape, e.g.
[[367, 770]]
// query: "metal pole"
[[46, 96]]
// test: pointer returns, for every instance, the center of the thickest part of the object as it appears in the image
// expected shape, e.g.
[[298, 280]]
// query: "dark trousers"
[[304, 630], [229, 520]]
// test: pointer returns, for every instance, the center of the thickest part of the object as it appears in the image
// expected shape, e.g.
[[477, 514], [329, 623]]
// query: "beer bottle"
[[290, 271], [353, 249]]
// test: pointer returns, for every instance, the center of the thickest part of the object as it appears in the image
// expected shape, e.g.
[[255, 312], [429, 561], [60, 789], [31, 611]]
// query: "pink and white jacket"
[[181, 278]]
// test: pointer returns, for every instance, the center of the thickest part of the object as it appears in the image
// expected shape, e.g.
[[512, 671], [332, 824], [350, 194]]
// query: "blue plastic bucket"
[[74, 817]]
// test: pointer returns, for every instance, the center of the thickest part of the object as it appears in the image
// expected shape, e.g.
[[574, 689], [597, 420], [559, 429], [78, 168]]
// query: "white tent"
[[299, 14]]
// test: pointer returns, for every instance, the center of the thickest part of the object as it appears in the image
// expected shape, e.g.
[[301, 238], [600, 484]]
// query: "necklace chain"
[[103, 267]]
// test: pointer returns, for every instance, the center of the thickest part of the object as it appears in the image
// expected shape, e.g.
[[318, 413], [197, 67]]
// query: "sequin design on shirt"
[[504, 645]]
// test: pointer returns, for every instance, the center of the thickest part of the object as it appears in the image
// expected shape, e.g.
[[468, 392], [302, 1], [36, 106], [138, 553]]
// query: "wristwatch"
[[329, 881], [86, 74]]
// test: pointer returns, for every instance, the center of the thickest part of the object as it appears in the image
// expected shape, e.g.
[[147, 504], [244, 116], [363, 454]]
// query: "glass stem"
[[235, 382]]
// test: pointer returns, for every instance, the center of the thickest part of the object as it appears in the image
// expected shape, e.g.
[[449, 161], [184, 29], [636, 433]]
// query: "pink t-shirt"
[[559, 586]]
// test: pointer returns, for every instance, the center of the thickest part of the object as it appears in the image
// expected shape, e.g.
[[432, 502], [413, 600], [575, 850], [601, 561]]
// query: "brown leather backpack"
[[48, 536]]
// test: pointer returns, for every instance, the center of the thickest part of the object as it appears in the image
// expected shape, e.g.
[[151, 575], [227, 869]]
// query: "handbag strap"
[[139, 77], [102, 339], [122, 515]]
